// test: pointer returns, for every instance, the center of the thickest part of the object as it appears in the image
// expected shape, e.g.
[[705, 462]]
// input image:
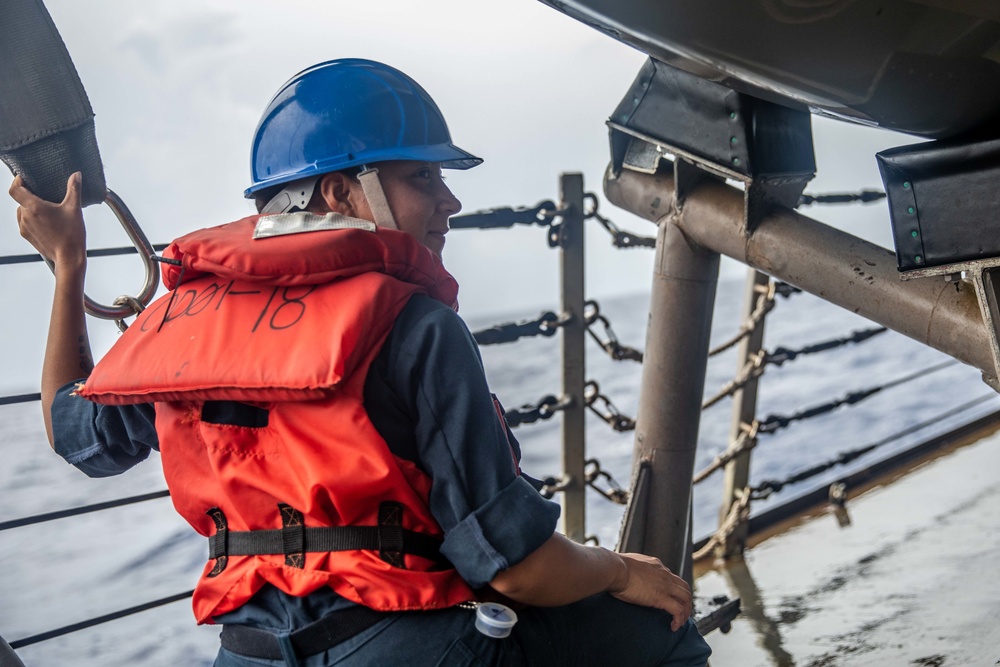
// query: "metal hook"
[[146, 252]]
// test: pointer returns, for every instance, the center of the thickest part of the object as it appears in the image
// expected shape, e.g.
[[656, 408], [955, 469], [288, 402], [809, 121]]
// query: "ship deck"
[[907, 574]]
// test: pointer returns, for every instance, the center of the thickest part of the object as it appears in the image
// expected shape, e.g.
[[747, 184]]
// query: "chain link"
[[553, 485], [617, 351], [620, 238], [529, 414], [619, 422], [593, 471]]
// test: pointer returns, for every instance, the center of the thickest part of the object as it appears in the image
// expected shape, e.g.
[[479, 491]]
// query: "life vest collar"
[[335, 247]]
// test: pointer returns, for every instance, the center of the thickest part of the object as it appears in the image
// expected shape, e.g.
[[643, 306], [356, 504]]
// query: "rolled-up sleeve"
[[492, 517], [101, 440]]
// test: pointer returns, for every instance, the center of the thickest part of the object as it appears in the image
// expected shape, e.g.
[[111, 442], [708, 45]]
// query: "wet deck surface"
[[914, 579]]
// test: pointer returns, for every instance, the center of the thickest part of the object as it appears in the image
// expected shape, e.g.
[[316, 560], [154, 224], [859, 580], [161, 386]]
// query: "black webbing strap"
[[319, 636], [46, 121], [389, 538]]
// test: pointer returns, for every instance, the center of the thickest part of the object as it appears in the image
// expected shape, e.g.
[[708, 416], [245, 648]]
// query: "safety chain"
[[783, 354], [529, 414], [777, 422], [546, 325], [764, 306], [738, 515], [617, 351], [592, 471], [541, 214], [865, 197], [744, 443], [753, 369], [618, 421], [553, 485], [620, 238]]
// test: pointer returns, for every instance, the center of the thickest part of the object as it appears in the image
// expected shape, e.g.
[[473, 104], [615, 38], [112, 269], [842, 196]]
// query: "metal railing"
[[577, 319]]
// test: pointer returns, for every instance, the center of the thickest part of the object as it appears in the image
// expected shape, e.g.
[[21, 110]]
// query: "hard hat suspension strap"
[[372, 188]]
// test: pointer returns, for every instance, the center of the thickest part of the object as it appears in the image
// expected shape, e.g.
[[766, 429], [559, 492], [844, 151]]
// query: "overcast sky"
[[178, 88]]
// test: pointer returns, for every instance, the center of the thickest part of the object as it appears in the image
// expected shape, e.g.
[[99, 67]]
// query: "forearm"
[[57, 232], [561, 572], [67, 350]]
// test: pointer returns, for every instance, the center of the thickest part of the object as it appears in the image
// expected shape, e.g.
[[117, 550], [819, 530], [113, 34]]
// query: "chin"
[[435, 243]]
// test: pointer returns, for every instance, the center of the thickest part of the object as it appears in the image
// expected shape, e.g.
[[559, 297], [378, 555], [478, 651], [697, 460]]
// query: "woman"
[[323, 417]]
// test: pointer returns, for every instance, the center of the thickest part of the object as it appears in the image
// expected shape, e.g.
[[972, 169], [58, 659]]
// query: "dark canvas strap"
[[314, 638], [46, 121], [295, 539]]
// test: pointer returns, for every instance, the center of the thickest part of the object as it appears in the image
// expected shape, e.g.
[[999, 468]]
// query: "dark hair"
[[261, 198]]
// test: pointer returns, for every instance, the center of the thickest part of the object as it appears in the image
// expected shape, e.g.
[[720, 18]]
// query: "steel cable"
[[767, 487], [98, 252], [85, 509], [20, 398], [83, 625]]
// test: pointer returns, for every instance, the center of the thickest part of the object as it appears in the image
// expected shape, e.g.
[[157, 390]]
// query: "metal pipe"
[[682, 300], [819, 259], [574, 332]]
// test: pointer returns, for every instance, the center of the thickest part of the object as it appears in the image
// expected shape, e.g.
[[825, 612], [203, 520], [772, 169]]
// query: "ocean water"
[[65, 571]]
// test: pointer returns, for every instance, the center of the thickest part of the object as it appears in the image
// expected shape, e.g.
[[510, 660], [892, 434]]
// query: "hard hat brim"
[[448, 155]]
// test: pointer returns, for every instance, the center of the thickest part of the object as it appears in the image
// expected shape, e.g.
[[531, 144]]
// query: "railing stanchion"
[[737, 471], [681, 302], [571, 258]]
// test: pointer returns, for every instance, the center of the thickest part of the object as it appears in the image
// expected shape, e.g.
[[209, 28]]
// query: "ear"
[[335, 192]]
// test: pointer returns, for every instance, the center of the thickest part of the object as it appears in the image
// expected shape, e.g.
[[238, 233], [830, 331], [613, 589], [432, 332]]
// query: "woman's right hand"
[[55, 230], [646, 581]]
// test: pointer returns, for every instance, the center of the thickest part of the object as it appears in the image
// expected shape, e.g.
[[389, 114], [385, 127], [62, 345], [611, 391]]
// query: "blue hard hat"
[[344, 113]]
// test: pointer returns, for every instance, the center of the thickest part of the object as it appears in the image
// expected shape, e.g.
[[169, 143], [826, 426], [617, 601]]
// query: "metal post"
[[574, 332], [673, 381], [737, 471]]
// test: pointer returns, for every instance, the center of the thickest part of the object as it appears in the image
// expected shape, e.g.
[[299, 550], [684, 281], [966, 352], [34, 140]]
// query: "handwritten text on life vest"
[[283, 308]]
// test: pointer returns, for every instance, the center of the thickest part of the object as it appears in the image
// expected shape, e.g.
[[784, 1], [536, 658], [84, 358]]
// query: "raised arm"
[[561, 572], [57, 232]]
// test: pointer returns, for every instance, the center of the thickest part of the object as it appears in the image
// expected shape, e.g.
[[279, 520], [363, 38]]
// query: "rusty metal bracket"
[[712, 132], [984, 274]]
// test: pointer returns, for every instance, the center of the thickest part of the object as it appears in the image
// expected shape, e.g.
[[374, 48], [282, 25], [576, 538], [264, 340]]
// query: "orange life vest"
[[289, 325]]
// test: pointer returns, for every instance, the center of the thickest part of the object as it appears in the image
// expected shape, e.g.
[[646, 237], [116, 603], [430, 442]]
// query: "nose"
[[449, 203]]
